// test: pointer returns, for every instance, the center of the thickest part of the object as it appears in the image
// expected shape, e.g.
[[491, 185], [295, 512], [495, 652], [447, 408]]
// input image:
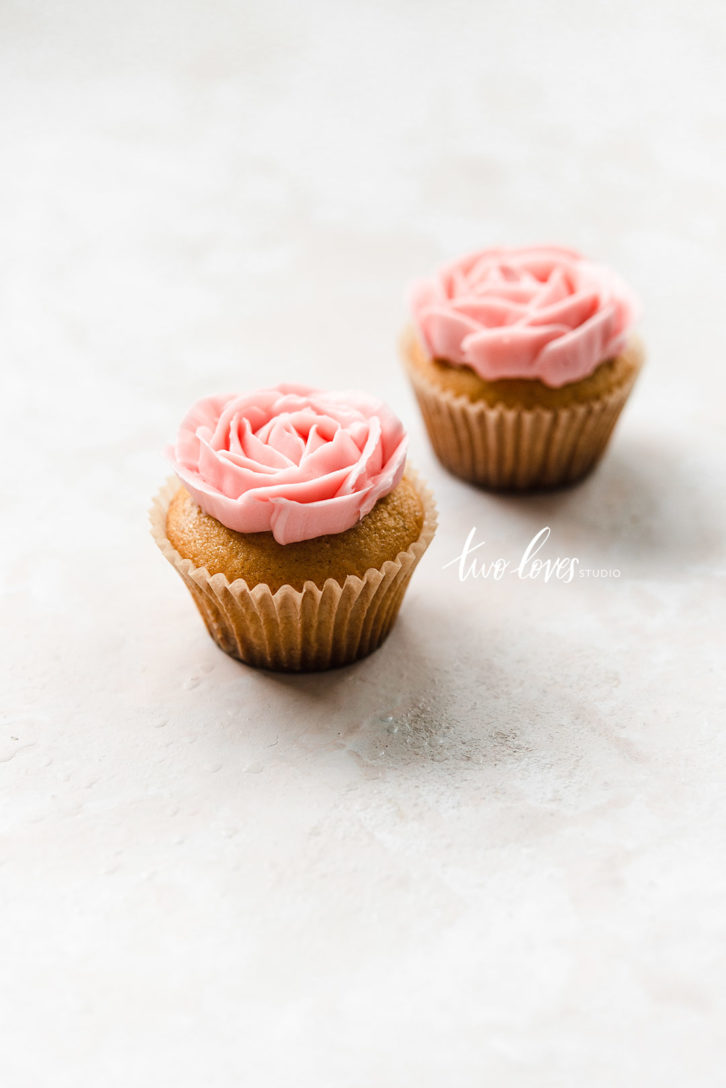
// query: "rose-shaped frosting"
[[541, 312], [291, 460]]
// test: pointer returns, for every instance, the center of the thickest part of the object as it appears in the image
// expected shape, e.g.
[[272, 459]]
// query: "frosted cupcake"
[[521, 361], [294, 524]]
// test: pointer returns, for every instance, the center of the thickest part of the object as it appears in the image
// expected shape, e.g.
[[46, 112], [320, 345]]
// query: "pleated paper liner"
[[299, 630], [517, 449]]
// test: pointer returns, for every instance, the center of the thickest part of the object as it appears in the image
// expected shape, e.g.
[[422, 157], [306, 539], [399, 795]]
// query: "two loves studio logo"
[[533, 564]]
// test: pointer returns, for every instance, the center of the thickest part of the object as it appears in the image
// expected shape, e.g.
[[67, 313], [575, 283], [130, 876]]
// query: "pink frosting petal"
[[291, 521], [564, 357], [500, 351], [444, 329], [571, 311], [556, 288], [490, 311], [258, 452]]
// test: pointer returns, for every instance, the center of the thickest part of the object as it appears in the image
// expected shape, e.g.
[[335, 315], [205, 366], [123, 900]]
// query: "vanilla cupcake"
[[521, 361], [295, 524]]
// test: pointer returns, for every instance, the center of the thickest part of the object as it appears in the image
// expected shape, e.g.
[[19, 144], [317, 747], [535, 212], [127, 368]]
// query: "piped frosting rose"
[[290, 460], [541, 312]]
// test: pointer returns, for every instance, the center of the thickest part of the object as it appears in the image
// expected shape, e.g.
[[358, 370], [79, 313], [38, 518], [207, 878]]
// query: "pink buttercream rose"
[[291, 460], [541, 312]]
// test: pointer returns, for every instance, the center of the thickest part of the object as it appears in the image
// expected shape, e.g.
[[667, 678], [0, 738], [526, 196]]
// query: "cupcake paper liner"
[[517, 449], [299, 630]]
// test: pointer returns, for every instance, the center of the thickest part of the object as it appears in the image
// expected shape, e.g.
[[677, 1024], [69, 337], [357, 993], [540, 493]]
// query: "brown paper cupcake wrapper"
[[299, 630], [518, 449]]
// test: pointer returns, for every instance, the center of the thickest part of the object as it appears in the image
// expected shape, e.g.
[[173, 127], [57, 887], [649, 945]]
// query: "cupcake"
[[294, 523], [521, 361]]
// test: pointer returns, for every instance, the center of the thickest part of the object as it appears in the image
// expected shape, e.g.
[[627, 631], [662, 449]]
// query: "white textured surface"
[[493, 853]]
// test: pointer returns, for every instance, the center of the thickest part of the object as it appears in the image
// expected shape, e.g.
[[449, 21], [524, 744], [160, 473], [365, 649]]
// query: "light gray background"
[[493, 853]]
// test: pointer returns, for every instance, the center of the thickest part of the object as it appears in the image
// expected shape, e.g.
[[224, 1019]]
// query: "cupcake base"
[[504, 439], [299, 630]]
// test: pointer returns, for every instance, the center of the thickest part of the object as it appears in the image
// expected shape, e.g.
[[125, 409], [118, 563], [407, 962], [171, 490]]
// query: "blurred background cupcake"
[[521, 361]]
